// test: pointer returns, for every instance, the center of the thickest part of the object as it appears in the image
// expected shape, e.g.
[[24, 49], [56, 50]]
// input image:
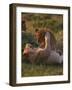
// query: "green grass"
[[41, 70], [40, 21]]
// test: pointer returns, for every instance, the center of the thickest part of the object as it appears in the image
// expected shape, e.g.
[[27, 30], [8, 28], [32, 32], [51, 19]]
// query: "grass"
[[40, 21], [41, 70]]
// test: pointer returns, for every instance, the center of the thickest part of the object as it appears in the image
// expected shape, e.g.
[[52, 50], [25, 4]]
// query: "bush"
[[59, 39], [28, 38]]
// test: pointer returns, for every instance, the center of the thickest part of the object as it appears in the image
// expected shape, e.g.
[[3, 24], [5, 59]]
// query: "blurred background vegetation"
[[33, 21], [30, 22]]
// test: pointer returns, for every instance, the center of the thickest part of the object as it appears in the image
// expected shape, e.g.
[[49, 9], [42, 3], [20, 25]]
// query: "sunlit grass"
[[41, 70], [40, 21]]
